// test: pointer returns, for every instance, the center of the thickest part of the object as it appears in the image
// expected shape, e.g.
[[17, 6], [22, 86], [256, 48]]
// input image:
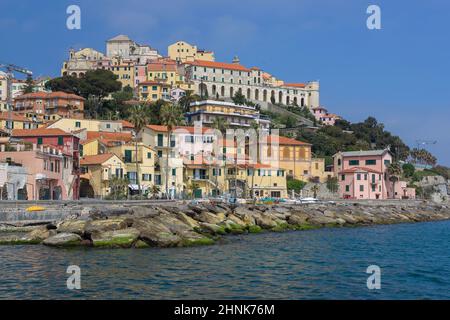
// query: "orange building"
[[60, 103]]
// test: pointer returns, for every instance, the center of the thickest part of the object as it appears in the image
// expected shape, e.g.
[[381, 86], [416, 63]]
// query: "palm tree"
[[155, 191], [138, 117], [255, 126], [171, 116], [394, 171], [118, 187], [315, 189], [187, 99]]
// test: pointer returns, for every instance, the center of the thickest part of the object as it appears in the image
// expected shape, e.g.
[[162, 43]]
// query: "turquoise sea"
[[316, 264]]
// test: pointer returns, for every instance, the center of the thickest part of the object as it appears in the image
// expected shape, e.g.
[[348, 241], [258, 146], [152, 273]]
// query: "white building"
[[126, 48], [207, 111], [223, 80]]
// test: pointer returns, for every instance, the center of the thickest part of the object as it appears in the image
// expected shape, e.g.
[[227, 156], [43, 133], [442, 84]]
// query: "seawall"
[[173, 224]]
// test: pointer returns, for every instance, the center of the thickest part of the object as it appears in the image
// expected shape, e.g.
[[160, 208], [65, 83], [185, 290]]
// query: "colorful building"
[[60, 103], [50, 170], [97, 172], [364, 175], [235, 115], [150, 91], [56, 139], [14, 120], [182, 51]]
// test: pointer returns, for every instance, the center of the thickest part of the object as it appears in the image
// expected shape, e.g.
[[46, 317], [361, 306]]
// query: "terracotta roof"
[[295, 85], [49, 95], [286, 141], [117, 136], [191, 130], [161, 67], [127, 124], [360, 169], [14, 116], [218, 65], [39, 132], [96, 159]]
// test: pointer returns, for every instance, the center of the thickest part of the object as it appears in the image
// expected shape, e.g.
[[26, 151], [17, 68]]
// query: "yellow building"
[[124, 70], [156, 136], [9, 121], [147, 159], [164, 71], [98, 171], [184, 52], [70, 125], [90, 147], [295, 158], [152, 91]]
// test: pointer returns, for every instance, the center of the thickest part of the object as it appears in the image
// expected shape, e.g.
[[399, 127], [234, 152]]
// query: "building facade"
[[59, 103], [182, 51], [207, 111], [364, 175], [223, 80]]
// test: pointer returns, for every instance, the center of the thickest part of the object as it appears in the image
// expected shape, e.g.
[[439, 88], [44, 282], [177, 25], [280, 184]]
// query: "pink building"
[[321, 114], [363, 175], [49, 171], [58, 139], [140, 74]]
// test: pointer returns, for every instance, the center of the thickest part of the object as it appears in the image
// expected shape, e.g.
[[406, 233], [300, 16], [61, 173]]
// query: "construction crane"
[[10, 69]]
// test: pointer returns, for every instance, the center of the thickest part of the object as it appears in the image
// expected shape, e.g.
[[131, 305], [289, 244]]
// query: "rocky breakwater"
[[204, 224]]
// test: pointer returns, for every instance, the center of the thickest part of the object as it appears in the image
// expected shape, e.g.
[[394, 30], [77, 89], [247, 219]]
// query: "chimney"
[[236, 60]]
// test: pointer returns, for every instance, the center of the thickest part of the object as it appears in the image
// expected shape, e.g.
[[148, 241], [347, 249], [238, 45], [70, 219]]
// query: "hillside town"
[[132, 123]]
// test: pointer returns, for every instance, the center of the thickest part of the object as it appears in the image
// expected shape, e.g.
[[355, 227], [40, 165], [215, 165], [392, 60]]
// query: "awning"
[[135, 187]]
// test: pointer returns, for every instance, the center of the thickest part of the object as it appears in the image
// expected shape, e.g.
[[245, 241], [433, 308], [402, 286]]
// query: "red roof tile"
[[218, 65], [96, 159], [39, 132]]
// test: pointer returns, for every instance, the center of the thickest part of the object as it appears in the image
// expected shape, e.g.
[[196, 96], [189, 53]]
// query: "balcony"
[[200, 177]]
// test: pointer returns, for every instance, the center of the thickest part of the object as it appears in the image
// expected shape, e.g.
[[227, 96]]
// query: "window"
[[387, 162], [358, 176], [78, 124], [347, 188], [353, 162], [371, 162], [160, 153], [149, 155], [343, 177], [39, 140], [174, 172], [160, 140], [60, 141], [146, 177], [361, 188], [128, 156]]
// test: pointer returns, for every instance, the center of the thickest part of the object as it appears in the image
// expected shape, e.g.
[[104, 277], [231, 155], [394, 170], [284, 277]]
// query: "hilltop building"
[[182, 51]]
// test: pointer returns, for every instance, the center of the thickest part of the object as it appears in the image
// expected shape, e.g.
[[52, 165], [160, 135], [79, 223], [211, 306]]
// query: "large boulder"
[[212, 228], [187, 220], [172, 223], [40, 234], [124, 238], [209, 217], [156, 234], [265, 221], [63, 240], [108, 225], [191, 238], [297, 218], [72, 226]]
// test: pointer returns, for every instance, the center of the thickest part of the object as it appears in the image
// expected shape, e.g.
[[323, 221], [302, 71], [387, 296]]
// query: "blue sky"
[[397, 74]]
